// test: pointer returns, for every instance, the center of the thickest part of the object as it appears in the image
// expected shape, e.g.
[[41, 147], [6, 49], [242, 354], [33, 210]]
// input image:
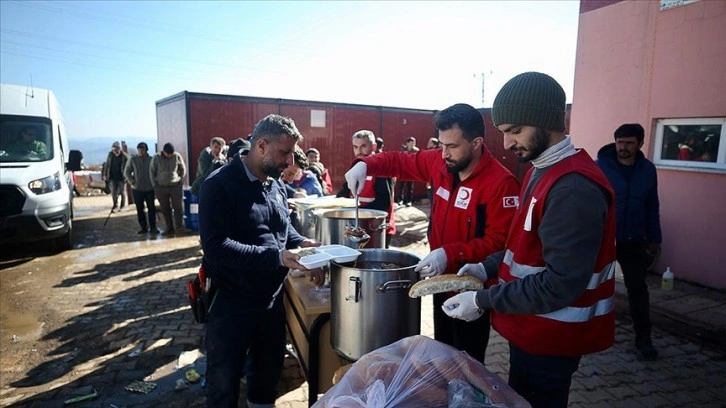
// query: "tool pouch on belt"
[[199, 300]]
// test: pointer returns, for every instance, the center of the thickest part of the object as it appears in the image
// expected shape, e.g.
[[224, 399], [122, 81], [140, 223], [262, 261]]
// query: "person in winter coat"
[[210, 159], [299, 177], [246, 236], [113, 173], [321, 172], [473, 205], [635, 182], [137, 174], [554, 301], [167, 171]]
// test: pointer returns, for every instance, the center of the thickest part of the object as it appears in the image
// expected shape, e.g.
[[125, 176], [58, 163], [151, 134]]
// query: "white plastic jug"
[[667, 280]]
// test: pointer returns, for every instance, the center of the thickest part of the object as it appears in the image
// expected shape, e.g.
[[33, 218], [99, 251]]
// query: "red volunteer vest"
[[588, 324], [368, 194]]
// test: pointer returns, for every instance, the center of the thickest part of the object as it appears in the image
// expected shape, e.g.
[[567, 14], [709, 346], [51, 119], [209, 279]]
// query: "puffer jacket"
[[636, 200]]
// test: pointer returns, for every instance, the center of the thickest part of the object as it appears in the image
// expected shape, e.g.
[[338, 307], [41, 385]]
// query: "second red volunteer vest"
[[588, 324]]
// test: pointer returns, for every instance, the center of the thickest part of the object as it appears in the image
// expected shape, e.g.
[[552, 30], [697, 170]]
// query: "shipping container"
[[189, 120]]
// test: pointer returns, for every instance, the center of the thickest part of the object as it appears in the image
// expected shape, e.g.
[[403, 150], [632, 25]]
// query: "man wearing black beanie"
[[554, 300], [635, 182]]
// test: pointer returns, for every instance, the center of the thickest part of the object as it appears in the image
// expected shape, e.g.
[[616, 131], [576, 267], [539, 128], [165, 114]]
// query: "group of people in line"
[[160, 177], [546, 249]]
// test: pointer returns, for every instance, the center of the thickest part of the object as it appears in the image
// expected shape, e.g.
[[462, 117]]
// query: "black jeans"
[[404, 192], [544, 381], [141, 199], [243, 340], [633, 260], [472, 337]]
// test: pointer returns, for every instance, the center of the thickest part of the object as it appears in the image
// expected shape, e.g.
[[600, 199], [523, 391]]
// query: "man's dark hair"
[[142, 145], [630, 130], [469, 120], [236, 146], [312, 150], [379, 142], [300, 158], [273, 127]]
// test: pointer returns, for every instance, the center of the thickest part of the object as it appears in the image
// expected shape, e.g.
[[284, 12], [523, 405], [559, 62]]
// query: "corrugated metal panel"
[[232, 117], [224, 117]]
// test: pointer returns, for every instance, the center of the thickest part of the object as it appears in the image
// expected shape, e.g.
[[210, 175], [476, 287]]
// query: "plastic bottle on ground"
[[667, 280]]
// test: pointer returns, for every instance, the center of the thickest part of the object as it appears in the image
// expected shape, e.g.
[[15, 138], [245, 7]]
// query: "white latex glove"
[[474, 269], [356, 176], [433, 264], [463, 306]]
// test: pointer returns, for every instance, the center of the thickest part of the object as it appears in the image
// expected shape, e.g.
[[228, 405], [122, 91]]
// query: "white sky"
[[109, 62]]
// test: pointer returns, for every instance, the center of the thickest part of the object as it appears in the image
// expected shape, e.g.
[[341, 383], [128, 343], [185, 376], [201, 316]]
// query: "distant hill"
[[96, 149]]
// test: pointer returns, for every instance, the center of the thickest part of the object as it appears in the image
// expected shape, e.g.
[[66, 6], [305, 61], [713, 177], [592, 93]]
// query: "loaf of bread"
[[444, 283]]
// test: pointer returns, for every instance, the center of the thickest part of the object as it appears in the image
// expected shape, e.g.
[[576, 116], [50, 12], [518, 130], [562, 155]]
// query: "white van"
[[36, 165]]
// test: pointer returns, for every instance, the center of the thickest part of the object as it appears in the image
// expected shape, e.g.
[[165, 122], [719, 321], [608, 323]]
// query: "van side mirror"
[[75, 157]]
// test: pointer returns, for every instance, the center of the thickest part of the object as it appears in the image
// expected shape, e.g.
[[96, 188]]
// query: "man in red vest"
[[554, 300], [375, 193]]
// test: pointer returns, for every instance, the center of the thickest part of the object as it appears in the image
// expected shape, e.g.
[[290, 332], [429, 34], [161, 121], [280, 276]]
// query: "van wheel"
[[65, 242]]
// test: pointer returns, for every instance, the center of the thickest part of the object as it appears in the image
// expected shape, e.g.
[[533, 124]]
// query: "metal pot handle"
[[383, 226], [393, 285], [353, 289]]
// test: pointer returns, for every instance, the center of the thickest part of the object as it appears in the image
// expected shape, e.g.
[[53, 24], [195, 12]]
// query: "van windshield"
[[25, 139]]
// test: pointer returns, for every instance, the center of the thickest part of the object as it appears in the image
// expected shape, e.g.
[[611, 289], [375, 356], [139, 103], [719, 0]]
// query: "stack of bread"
[[411, 373]]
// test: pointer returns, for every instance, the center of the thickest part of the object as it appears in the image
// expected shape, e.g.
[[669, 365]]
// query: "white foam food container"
[[340, 253], [316, 260]]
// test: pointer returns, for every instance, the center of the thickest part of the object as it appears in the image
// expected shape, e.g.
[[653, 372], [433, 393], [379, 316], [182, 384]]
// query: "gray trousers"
[[118, 187], [170, 199]]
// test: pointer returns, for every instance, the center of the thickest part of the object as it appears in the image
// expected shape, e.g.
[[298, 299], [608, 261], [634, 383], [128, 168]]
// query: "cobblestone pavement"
[[114, 310]]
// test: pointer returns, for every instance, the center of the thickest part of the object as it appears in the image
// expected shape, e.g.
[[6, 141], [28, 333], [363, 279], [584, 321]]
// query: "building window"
[[317, 118], [697, 143]]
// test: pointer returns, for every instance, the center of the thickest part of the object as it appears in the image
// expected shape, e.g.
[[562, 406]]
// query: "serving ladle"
[[358, 241]]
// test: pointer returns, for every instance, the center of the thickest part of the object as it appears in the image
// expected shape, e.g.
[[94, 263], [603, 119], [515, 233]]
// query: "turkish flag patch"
[[510, 202]]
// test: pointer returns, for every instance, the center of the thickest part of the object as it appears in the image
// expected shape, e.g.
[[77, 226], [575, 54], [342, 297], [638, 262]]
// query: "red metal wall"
[[227, 118], [232, 117]]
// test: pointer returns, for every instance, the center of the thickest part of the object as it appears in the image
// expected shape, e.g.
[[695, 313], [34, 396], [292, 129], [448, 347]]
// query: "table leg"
[[314, 363]]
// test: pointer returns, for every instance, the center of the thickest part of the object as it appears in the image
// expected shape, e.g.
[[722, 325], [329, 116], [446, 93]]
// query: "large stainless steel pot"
[[309, 210], [332, 225], [370, 307]]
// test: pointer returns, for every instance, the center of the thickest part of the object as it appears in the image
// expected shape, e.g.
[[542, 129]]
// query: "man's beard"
[[272, 170], [456, 167], [540, 143], [624, 154]]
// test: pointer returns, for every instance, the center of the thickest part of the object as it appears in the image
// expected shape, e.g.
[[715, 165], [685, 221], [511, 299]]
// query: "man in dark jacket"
[[246, 236], [113, 173], [635, 182]]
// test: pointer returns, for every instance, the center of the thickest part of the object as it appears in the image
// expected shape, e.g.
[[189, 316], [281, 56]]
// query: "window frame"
[[719, 166]]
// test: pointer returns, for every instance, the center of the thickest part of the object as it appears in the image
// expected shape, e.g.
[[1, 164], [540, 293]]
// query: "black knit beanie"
[[531, 99]]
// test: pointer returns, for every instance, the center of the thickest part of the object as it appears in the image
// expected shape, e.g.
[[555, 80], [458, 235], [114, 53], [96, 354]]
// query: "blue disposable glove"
[[474, 269], [356, 177], [433, 264], [463, 306]]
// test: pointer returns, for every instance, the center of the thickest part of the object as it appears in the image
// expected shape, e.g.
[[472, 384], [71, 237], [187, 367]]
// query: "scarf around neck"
[[554, 154]]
